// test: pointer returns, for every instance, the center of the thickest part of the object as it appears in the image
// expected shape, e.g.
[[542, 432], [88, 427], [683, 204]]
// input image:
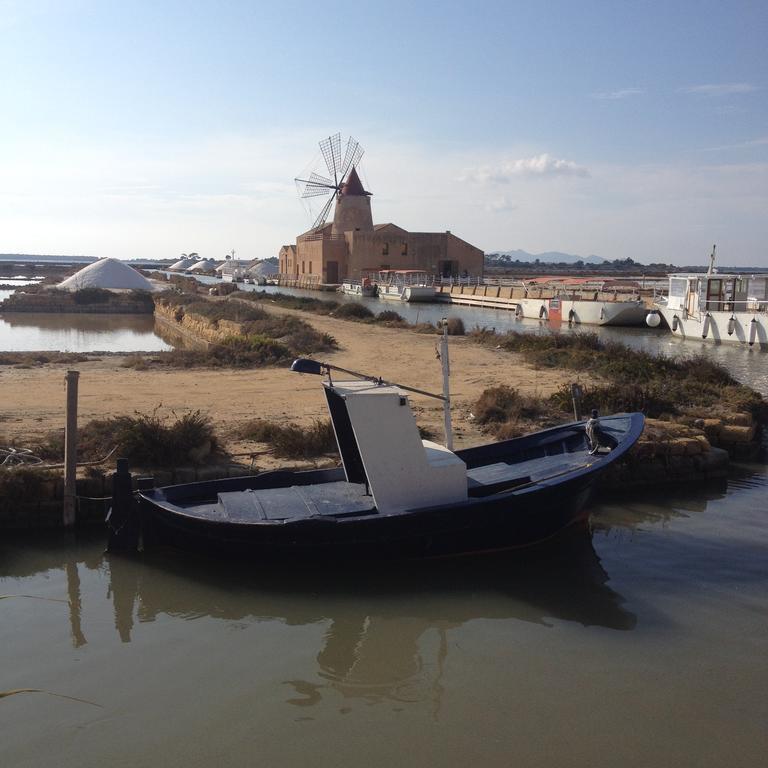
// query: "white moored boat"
[[364, 287], [717, 306], [405, 285]]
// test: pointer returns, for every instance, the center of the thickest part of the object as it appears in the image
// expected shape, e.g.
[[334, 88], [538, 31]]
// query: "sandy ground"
[[33, 399]]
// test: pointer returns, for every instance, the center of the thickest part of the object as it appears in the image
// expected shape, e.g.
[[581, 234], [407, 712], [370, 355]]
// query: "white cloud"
[[720, 89], [538, 166], [623, 93], [759, 142], [500, 205]]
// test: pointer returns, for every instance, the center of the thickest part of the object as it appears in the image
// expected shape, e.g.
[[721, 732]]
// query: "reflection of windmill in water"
[[341, 185]]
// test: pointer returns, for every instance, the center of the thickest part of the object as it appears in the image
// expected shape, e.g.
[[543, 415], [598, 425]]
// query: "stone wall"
[[61, 302], [196, 328]]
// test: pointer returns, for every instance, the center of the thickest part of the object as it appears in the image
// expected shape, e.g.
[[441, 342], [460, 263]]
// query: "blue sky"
[[622, 129]]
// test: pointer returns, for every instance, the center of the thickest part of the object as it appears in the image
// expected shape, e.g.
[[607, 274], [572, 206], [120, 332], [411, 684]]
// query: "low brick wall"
[[43, 508]]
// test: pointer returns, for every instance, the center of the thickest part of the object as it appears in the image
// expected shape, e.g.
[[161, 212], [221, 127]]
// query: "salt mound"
[[263, 269], [107, 273], [207, 265], [183, 264]]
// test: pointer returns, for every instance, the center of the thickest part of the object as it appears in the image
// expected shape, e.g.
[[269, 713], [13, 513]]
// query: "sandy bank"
[[33, 399]]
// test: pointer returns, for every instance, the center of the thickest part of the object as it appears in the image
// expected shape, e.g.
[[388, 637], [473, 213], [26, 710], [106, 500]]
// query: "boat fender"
[[572, 317], [602, 313], [707, 323], [752, 331], [731, 325], [518, 310], [675, 323], [652, 320], [543, 313]]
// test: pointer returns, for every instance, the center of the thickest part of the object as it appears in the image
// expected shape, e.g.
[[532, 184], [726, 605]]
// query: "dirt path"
[[32, 399]]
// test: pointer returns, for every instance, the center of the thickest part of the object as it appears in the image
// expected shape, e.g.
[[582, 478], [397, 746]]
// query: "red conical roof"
[[353, 185]]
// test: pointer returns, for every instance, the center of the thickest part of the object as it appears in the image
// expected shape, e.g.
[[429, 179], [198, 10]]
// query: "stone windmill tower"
[[342, 186]]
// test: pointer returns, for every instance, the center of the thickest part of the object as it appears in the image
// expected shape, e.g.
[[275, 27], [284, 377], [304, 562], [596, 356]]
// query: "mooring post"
[[70, 451], [122, 518], [576, 395]]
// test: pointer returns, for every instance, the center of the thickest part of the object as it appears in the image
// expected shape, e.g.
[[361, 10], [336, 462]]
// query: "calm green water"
[[641, 644]]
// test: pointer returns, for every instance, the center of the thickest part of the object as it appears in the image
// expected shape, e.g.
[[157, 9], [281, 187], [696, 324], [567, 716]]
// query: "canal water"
[[51, 332], [640, 643]]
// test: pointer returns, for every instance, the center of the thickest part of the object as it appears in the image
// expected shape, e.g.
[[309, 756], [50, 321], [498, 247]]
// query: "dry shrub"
[[145, 440], [502, 404], [353, 311], [390, 316], [455, 326], [290, 441], [137, 362]]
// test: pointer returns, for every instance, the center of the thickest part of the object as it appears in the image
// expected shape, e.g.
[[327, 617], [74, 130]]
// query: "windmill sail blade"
[[352, 156], [320, 220], [331, 149], [314, 186]]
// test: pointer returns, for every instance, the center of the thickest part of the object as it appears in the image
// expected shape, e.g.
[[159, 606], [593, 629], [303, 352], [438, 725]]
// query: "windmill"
[[338, 168]]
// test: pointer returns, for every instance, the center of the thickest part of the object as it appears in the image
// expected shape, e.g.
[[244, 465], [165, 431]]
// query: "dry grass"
[[146, 440], [290, 441], [632, 380]]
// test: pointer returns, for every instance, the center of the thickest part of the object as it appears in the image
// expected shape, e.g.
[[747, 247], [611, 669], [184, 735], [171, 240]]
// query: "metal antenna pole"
[[445, 362]]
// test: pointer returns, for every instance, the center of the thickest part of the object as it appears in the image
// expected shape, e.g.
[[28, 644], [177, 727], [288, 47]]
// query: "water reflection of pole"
[[124, 591], [73, 591]]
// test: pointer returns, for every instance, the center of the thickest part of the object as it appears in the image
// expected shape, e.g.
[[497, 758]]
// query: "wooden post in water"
[[70, 450]]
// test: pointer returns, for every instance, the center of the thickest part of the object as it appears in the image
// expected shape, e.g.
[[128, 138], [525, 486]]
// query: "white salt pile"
[[111, 274]]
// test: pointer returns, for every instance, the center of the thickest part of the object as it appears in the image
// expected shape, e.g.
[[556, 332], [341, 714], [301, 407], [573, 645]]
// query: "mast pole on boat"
[[446, 365]]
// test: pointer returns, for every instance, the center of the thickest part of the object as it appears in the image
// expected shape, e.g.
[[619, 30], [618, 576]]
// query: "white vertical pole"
[[70, 450], [446, 386]]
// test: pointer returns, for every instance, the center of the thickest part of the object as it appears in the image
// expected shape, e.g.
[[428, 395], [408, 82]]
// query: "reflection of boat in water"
[[385, 635], [717, 306]]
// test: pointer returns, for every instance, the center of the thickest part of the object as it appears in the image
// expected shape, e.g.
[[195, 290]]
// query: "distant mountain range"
[[548, 257]]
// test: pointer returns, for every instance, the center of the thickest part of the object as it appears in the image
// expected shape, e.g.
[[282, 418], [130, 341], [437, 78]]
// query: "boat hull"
[[627, 313], [440, 532], [749, 328], [413, 293]]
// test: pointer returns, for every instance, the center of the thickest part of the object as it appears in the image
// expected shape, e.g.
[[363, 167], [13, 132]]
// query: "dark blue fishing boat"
[[395, 495]]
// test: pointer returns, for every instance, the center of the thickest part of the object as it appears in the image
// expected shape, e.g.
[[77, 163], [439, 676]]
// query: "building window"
[[302, 267], [310, 267], [385, 249], [404, 252]]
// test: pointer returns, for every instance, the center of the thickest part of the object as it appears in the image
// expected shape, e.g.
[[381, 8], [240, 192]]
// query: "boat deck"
[[342, 499]]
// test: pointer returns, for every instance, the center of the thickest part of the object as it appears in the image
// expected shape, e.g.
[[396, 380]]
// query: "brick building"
[[352, 244]]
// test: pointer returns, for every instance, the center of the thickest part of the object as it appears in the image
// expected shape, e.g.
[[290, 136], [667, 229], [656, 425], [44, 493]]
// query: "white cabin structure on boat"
[[718, 306]]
